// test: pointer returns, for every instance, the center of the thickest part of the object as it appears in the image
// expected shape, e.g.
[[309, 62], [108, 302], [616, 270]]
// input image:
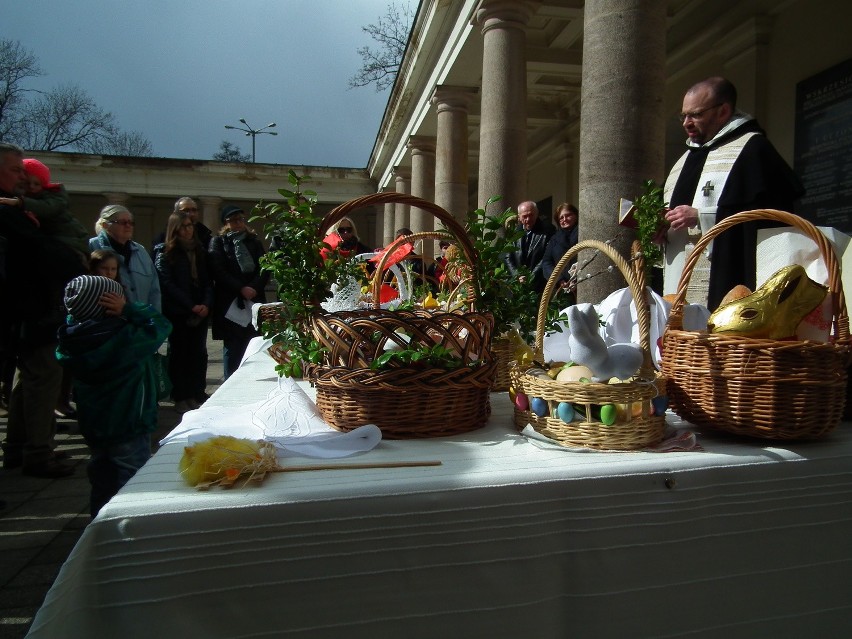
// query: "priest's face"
[[703, 116]]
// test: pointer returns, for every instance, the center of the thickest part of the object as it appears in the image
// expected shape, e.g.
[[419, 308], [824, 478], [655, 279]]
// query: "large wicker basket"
[[403, 402], [772, 389], [640, 428]]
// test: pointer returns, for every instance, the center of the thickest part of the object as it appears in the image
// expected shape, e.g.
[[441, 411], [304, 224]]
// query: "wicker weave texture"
[[639, 428], [404, 402], [770, 389], [504, 354]]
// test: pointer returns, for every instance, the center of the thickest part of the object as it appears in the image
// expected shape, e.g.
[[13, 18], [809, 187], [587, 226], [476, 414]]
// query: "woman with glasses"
[[343, 238], [234, 256], [187, 299], [114, 230]]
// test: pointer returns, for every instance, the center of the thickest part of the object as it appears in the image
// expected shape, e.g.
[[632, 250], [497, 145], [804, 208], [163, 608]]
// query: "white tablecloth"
[[507, 538]]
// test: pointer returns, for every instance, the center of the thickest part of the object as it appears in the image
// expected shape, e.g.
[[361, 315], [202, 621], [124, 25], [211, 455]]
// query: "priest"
[[730, 166]]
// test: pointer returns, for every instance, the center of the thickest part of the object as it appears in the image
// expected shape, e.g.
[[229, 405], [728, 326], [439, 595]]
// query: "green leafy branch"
[[303, 278], [423, 356], [649, 209]]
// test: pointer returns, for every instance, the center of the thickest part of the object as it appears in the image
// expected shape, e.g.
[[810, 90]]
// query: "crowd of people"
[[86, 314]]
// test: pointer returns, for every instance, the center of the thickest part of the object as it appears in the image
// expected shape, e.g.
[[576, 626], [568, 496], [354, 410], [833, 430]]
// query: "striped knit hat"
[[83, 293]]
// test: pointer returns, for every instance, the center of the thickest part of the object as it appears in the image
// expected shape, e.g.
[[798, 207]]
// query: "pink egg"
[[521, 401]]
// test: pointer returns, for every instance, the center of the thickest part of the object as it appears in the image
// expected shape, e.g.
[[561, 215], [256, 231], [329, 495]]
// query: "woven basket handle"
[[390, 197], [635, 280], [835, 284], [376, 284]]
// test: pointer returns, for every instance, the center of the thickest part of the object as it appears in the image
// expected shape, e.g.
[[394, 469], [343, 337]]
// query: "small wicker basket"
[[771, 389], [638, 428], [405, 402]]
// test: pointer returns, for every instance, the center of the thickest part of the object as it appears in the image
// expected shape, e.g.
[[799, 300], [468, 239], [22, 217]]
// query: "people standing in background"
[[729, 167], [36, 263], [238, 279], [187, 292], [136, 270], [342, 237], [529, 249], [185, 205], [566, 219]]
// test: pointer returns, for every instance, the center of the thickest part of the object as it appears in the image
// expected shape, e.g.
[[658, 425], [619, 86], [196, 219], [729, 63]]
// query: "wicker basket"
[[504, 353], [638, 428], [403, 402], [765, 388]]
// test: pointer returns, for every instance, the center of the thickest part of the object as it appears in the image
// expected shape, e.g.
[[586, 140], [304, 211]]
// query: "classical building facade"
[[548, 100]]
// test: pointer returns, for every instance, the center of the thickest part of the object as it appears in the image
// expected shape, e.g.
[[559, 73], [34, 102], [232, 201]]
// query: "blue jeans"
[[110, 467]]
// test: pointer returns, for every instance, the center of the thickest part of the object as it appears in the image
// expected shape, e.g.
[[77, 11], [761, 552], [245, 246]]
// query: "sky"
[[178, 71]]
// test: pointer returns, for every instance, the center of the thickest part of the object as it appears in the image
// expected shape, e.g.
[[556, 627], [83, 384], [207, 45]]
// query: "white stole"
[[711, 185]]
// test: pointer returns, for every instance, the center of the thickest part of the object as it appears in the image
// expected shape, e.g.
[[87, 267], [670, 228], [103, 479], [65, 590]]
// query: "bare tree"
[[16, 65], [64, 117], [127, 143], [230, 153], [380, 65]]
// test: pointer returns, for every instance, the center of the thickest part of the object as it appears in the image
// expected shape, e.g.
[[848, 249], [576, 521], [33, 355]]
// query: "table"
[[508, 538]]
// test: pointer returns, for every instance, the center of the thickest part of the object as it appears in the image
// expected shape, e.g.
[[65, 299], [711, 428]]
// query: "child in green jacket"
[[108, 345]]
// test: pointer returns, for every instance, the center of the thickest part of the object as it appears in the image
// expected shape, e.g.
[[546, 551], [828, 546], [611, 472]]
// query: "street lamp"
[[253, 133]]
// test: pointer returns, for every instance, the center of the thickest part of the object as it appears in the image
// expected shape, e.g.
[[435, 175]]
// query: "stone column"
[[503, 127], [209, 213], [402, 211], [423, 185], [451, 149], [388, 223], [622, 126]]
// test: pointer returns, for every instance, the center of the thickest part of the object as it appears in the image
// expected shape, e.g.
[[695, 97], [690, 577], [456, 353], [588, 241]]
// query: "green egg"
[[608, 414]]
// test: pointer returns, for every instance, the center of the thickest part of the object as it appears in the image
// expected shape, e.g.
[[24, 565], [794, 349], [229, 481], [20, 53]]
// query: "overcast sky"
[[178, 71]]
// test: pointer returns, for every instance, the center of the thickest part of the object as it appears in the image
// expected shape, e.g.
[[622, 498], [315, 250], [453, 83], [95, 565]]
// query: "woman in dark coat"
[[565, 218], [235, 264], [187, 295]]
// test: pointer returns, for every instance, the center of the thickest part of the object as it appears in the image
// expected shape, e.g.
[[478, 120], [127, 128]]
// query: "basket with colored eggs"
[[564, 402]]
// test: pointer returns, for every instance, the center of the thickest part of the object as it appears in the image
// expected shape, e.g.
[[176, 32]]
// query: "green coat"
[[111, 361]]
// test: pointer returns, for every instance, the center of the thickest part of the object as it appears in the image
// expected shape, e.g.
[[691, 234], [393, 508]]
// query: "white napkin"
[[287, 418]]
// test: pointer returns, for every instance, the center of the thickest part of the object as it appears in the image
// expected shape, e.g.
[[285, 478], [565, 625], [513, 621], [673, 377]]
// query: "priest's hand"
[[681, 217]]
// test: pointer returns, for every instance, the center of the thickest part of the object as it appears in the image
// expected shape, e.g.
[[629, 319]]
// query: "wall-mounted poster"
[[823, 146]]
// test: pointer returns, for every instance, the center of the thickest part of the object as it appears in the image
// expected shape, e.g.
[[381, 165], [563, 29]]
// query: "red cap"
[[40, 170]]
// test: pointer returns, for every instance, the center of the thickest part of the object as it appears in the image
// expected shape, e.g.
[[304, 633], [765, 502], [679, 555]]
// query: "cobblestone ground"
[[42, 519]]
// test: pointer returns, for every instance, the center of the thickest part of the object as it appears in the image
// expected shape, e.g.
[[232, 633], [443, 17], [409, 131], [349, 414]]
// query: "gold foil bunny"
[[774, 310]]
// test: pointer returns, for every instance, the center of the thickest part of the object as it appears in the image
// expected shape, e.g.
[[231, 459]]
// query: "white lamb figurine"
[[589, 348]]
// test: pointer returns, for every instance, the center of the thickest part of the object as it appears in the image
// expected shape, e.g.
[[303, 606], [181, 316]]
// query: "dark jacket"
[[179, 292], [530, 251], [558, 246], [229, 279], [112, 363]]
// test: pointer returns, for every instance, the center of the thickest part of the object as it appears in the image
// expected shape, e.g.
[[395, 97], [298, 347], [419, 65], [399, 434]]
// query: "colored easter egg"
[[660, 404], [565, 411], [521, 401], [539, 406], [512, 394], [608, 414]]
